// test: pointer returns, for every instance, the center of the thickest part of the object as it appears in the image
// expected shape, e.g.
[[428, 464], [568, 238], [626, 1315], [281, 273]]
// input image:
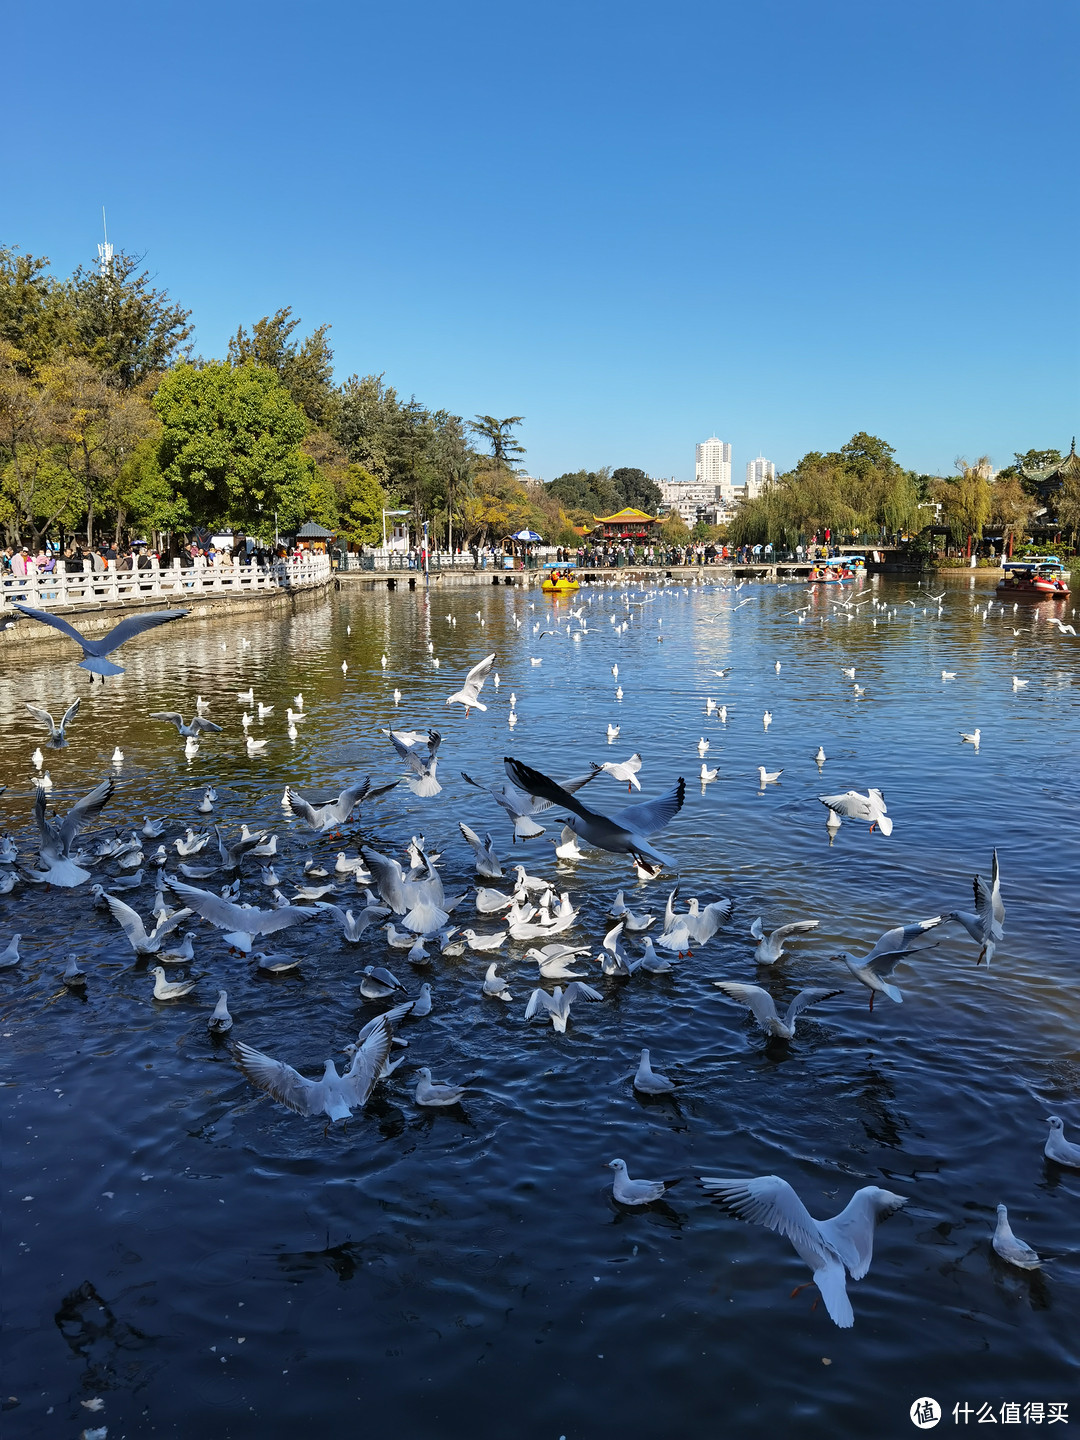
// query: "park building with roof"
[[635, 526]]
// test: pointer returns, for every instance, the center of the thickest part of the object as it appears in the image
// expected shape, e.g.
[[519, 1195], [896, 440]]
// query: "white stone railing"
[[174, 582], [386, 560]]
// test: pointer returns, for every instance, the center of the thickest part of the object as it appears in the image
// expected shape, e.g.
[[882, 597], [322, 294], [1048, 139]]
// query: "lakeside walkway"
[[94, 601]]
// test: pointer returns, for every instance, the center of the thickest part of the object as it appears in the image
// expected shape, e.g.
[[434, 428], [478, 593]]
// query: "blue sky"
[[636, 225]]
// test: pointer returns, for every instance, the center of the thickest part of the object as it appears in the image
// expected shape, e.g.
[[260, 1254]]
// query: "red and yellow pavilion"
[[635, 526]]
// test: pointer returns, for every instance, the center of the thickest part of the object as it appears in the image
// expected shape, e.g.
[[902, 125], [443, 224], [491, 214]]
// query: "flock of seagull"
[[404, 899]]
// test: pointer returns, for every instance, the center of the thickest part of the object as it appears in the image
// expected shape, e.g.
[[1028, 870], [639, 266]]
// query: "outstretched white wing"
[[285, 1084], [759, 1001], [851, 804], [899, 939], [770, 1201], [805, 998], [474, 680], [369, 1060], [247, 919]]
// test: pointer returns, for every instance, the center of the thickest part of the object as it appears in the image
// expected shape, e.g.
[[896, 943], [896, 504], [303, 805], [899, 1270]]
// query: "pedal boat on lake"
[[839, 570], [559, 578], [1039, 577]]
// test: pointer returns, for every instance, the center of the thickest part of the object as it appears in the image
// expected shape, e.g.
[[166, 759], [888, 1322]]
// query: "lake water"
[[206, 1262]]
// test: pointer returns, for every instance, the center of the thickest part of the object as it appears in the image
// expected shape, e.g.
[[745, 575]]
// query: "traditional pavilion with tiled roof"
[[313, 536], [1050, 478], [628, 524]]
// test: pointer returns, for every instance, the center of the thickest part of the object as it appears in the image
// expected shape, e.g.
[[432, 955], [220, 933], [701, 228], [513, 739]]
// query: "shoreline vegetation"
[[111, 427]]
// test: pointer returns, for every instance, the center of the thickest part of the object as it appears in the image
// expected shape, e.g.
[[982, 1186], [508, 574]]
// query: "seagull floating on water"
[[1011, 1249], [170, 989], [429, 1092], [220, 1022], [650, 1082], [1057, 1147], [634, 1192]]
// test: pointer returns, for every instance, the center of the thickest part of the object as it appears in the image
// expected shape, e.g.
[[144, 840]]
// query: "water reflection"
[[103, 1340], [496, 1218]]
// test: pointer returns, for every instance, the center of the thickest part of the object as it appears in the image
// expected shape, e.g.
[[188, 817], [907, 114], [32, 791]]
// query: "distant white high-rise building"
[[759, 473], [712, 466]]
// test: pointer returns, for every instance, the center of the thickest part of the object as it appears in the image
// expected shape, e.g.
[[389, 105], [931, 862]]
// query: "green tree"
[[149, 501], [966, 500], [363, 417], [1011, 507], [1068, 505], [586, 494], [505, 448], [305, 369], [27, 311], [97, 424], [634, 488], [674, 530], [119, 322], [453, 466], [230, 446], [360, 508]]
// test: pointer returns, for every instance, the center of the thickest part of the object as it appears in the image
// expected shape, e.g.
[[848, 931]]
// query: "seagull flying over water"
[[94, 651], [846, 1241], [334, 1095], [469, 694], [487, 862], [173, 717], [522, 806], [353, 925], [60, 833], [623, 770], [57, 738], [625, 835], [763, 1007], [893, 946], [557, 1005], [335, 813], [987, 926], [144, 942], [771, 947], [240, 922], [854, 806]]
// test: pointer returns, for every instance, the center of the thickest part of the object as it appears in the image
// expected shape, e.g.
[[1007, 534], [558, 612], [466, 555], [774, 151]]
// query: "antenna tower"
[[105, 252]]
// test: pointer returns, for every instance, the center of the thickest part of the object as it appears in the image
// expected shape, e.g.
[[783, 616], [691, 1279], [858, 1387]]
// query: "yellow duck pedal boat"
[[559, 579]]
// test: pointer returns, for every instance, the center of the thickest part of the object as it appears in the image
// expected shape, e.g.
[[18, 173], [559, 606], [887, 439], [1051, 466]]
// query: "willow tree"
[[966, 501]]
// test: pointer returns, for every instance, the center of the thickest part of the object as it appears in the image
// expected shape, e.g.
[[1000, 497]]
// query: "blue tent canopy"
[[526, 535]]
